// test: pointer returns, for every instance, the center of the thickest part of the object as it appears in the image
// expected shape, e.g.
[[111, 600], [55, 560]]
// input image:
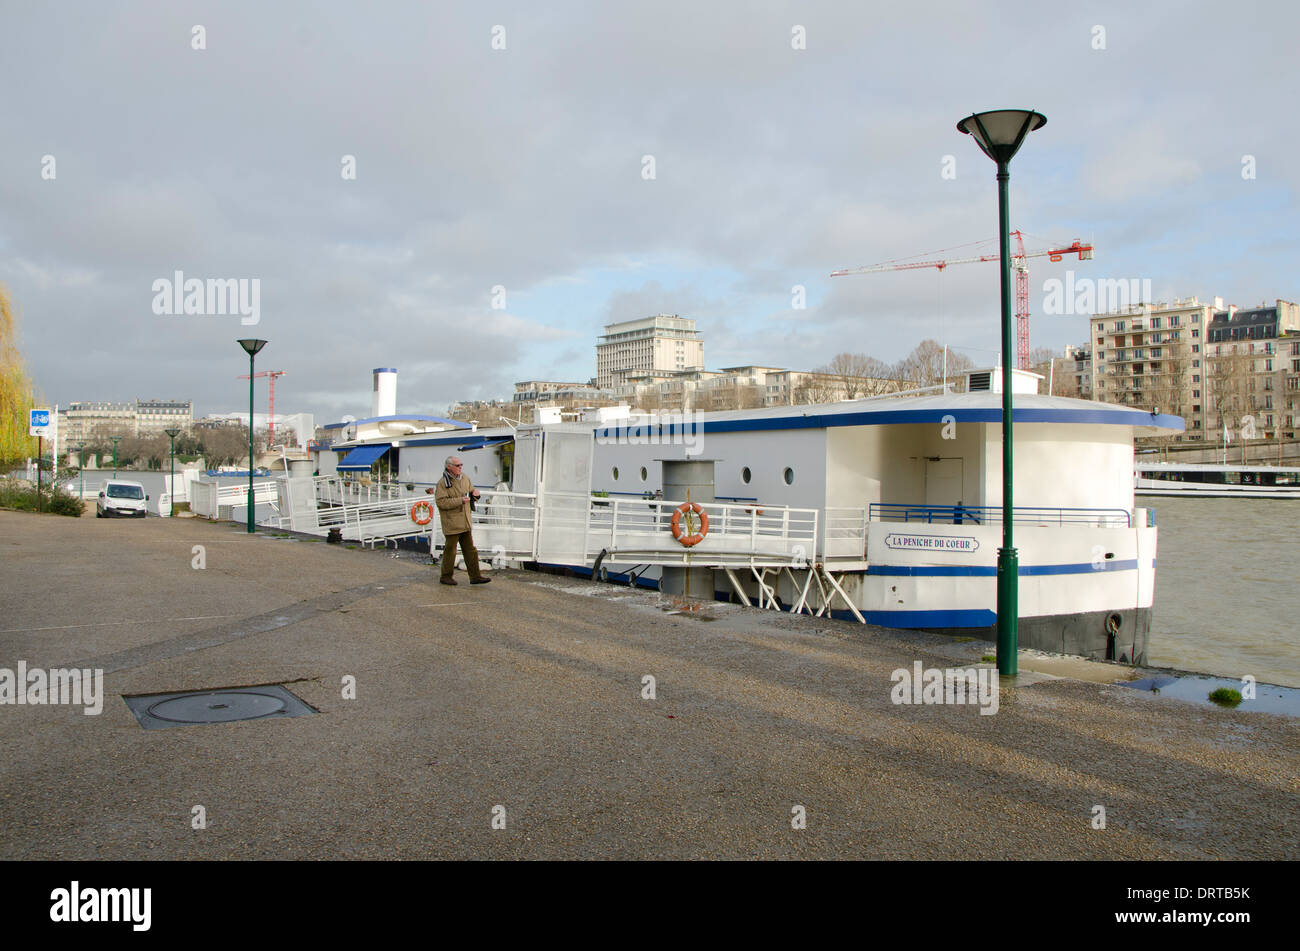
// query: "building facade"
[[664, 343], [1212, 365]]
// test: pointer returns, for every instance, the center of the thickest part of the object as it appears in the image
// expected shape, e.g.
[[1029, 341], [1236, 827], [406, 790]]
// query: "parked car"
[[119, 497]]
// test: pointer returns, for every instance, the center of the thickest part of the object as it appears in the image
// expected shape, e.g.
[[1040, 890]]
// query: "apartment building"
[[664, 343], [1209, 364]]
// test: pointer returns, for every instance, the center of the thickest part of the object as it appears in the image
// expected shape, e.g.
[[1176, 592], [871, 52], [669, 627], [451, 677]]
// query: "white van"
[[119, 497]]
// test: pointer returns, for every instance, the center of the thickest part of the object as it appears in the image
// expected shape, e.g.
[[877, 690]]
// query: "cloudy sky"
[[129, 155]]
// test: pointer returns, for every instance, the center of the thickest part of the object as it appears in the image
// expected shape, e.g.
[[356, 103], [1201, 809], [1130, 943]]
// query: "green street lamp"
[[251, 347], [171, 491], [999, 134], [115, 440]]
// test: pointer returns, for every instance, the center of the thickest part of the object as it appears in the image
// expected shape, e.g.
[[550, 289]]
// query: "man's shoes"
[[481, 581], [449, 581]]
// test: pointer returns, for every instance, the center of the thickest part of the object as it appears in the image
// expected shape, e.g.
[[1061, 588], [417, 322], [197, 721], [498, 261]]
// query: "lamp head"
[[1000, 133], [173, 433], [252, 346]]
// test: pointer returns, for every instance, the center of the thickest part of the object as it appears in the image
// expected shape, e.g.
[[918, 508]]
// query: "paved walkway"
[[526, 694]]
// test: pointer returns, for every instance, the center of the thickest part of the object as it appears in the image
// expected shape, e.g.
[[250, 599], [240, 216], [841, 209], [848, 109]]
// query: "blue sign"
[[40, 417]]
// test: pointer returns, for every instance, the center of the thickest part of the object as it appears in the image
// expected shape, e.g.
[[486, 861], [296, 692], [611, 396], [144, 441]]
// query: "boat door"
[[564, 496], [944, 480]]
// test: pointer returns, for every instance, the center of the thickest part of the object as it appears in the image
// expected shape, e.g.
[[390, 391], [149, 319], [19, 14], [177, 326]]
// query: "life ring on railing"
[[428, 512], [690, 540], [755, 511]]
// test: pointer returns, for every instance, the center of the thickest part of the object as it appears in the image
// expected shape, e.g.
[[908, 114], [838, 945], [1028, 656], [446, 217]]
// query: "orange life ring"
[[755, 511], [428, 512], [690, 540]]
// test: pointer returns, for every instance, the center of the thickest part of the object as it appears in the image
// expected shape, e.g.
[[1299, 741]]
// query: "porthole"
[[745, 475], [616, 473], [789, 476], [643, 473]]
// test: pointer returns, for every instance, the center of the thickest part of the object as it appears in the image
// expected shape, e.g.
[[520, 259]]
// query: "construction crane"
[[1019, 263], [270, 415]]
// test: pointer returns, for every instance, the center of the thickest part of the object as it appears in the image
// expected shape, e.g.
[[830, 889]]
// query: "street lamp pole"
[[999, 135], [115, 440], [171, 485], [251, 347]]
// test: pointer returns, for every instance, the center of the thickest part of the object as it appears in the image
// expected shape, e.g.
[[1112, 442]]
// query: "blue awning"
[[363, 457]]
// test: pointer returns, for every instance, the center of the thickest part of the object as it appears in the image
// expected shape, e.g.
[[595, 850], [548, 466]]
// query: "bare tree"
[[924, 366]]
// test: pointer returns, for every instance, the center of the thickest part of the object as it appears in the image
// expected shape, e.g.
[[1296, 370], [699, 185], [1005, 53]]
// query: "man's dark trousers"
[[466, 542]]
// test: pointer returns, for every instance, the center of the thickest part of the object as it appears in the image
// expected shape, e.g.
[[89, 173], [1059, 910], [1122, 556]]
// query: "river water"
[[1226, 587]]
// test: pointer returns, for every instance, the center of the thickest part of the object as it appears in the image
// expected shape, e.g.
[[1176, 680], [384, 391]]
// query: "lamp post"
[[999, 134], [171, 485], [251, 347], [115, 440]]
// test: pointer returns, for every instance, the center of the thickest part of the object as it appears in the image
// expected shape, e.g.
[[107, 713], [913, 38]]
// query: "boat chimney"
[[383, 401]]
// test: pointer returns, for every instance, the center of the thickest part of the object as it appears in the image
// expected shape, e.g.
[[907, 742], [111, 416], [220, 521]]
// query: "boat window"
[[643, 473], [789, 476], [615, 473], [744, 475]]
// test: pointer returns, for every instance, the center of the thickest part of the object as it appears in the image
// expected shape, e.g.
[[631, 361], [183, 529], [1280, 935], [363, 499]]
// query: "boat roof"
[[403, 418], [978, 407], [1210, 467]]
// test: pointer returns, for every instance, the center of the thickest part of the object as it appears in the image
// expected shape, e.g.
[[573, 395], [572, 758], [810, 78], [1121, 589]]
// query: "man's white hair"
[[446, 463]]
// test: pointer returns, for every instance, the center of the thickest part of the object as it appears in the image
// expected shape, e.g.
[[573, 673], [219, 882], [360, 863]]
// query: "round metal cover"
[[220, 706]]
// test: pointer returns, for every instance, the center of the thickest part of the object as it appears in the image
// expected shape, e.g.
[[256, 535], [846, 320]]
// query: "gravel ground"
[[523, 698]]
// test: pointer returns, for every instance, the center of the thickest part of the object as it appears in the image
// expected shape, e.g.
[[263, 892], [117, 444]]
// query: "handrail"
[[992, 515]]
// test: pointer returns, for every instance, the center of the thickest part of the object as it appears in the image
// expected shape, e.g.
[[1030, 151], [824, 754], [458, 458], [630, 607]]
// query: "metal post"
[[39, 450], [1008, 557], [251, 358]]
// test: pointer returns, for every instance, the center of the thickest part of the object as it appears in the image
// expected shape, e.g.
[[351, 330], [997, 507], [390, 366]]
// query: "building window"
[[1175, 321], [1155, 325], [1196, 348], [1119, 329], [1196, 378]]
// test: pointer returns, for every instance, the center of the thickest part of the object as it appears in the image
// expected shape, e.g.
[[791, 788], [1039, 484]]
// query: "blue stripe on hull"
[[974, 617], [991, 571]]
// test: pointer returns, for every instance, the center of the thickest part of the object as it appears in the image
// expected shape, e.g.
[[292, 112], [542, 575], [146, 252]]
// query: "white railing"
[[846, 534], [208, 498], [739, 534]]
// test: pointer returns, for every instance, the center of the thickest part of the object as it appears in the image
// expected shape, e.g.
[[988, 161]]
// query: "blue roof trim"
[[363, 457], [473, 442], [1112, 417], [384, 370]]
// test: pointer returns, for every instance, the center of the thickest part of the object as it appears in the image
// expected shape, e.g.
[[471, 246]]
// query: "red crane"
[[270, 416], [1019, 263]]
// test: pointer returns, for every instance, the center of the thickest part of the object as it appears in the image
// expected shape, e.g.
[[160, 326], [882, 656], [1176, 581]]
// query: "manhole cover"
[[225, 705]]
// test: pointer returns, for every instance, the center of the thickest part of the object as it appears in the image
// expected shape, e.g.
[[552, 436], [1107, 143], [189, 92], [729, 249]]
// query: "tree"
[[924, 366], [859, 375], [225, 445], [17, 394]]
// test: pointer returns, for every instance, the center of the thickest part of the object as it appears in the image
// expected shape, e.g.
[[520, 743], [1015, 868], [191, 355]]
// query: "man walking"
[[453, 499]]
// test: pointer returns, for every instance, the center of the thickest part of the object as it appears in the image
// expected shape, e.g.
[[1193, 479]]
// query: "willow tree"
[[16, 392]]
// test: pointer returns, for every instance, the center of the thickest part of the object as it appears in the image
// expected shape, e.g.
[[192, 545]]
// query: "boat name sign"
[[932, 542]]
